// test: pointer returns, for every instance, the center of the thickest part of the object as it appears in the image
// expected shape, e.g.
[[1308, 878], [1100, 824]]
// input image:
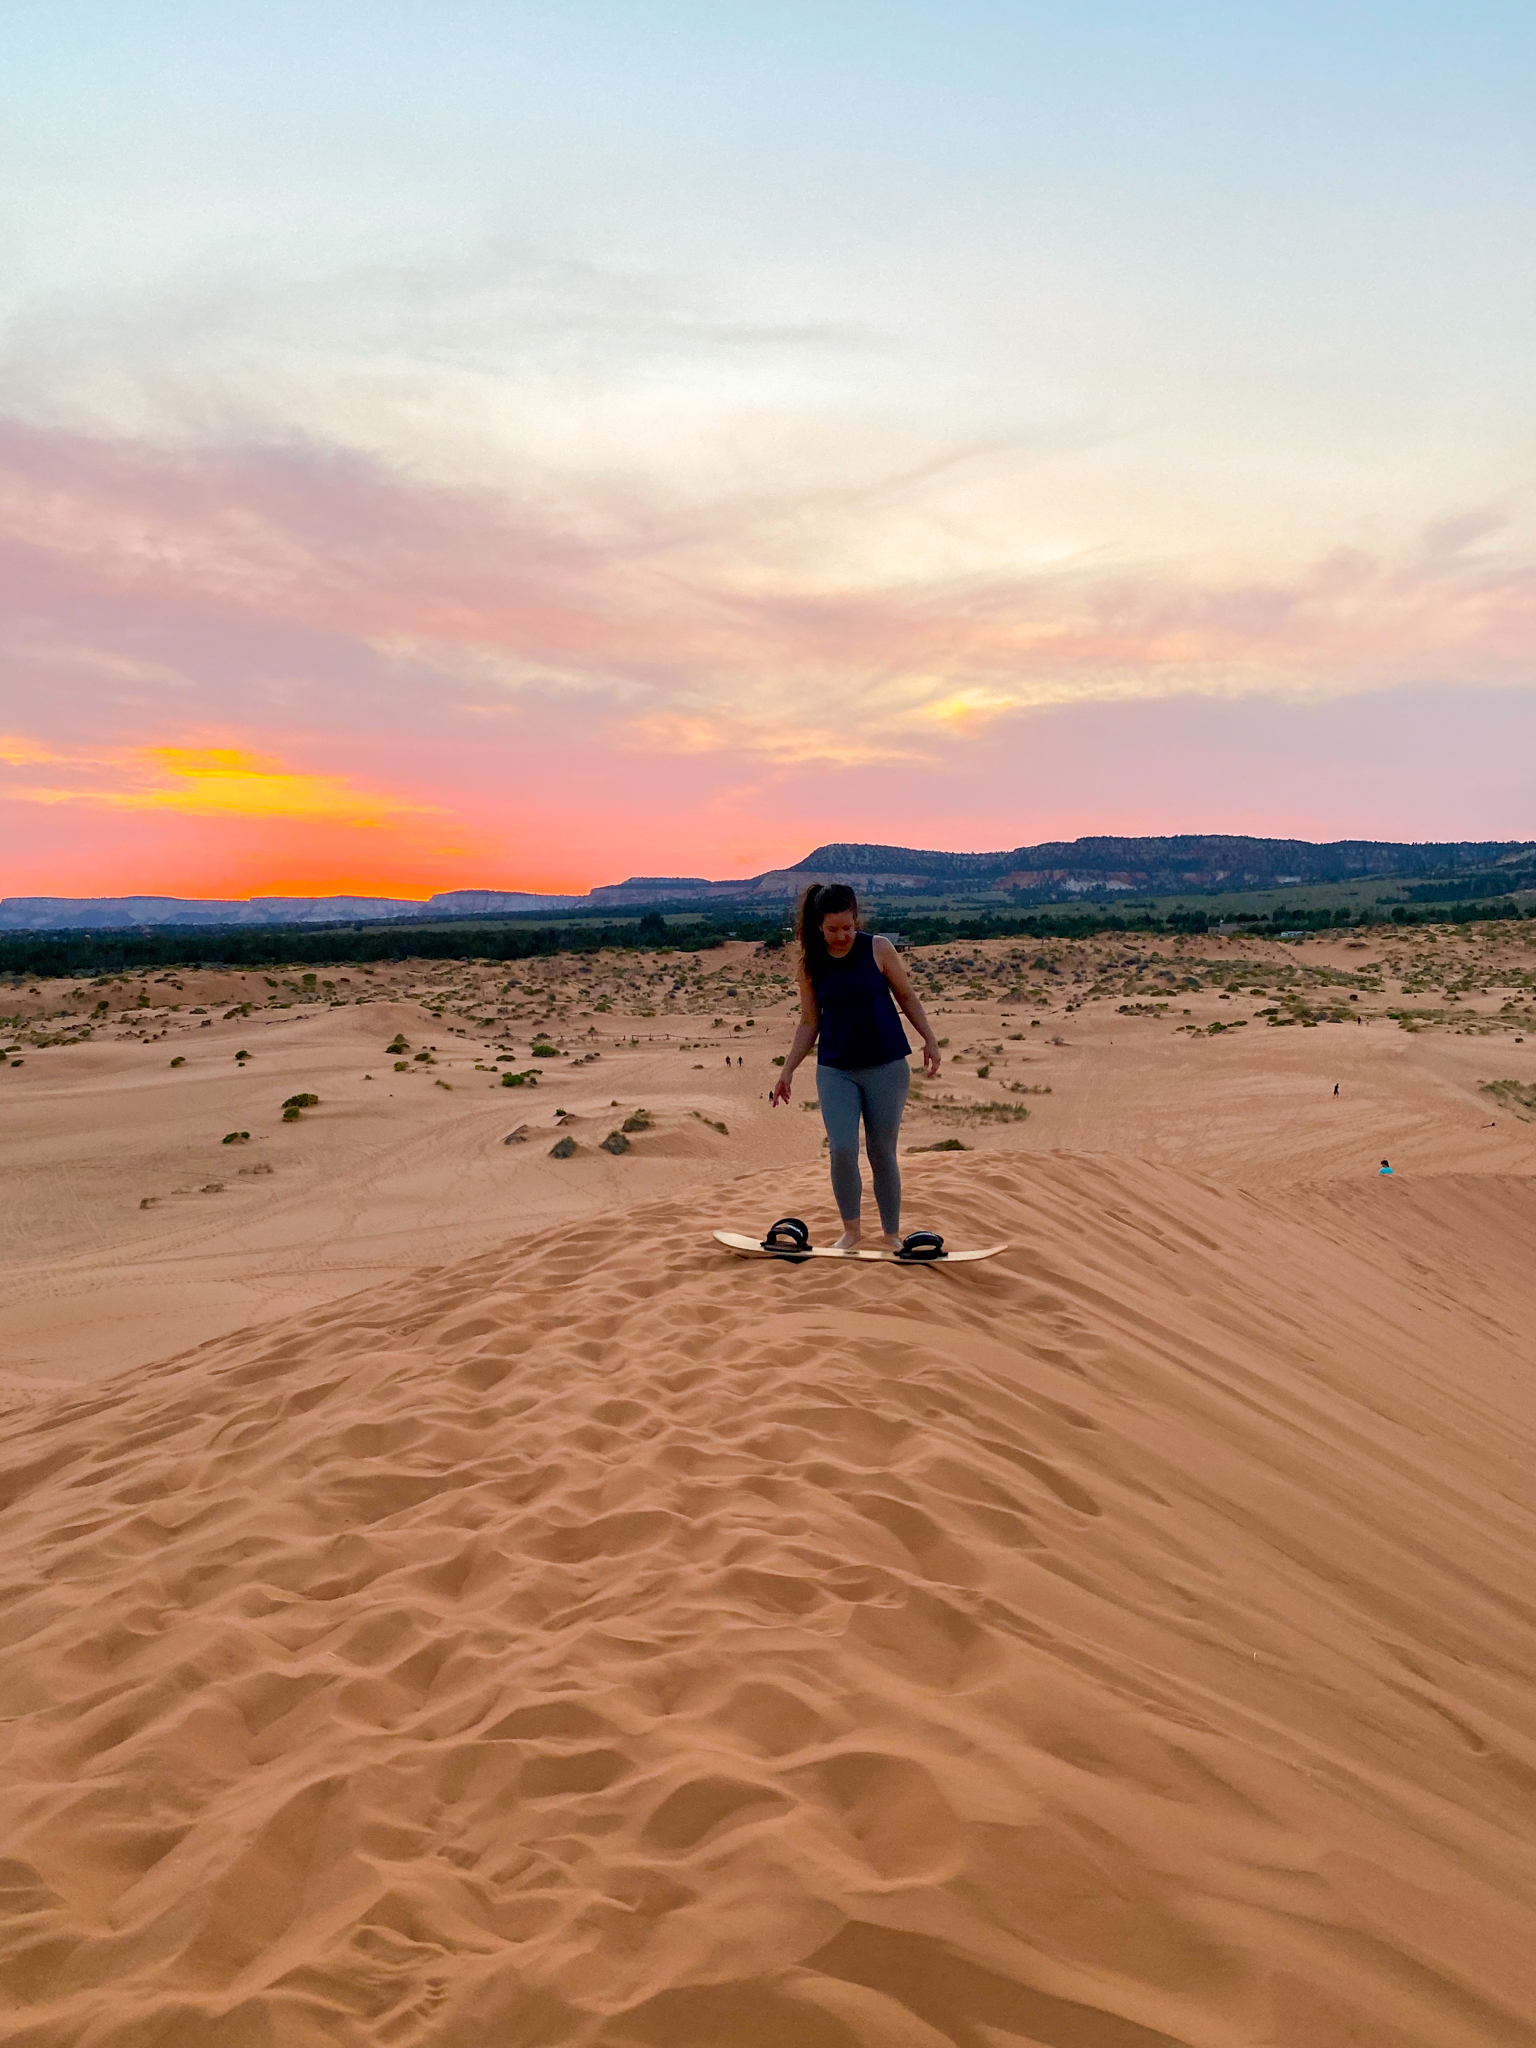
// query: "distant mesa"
[[93, 913], [483, 902], [658, 888], [116, 913], [1096, 869]]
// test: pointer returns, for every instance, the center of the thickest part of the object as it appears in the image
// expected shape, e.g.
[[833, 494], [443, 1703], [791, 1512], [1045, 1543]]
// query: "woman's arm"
[[805, 1038], [890, 964]]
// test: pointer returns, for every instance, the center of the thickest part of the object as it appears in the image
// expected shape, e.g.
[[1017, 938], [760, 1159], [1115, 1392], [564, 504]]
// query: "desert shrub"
[[941, 1145], [242, 1055], [236, 1138], [305, 1101], [427, 1057], [982, 1072], [545, 1051], [563, 1148], [703, 1119], [615, 1142], [528, 1078], [180, 1060], [1520, 1096], [639, 1121], [400, 1043], [402, 1066]]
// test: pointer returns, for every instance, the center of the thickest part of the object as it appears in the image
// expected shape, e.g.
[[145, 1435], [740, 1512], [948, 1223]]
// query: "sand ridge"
[[598, 1641]]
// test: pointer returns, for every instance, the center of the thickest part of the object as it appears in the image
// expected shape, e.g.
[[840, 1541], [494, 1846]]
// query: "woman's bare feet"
[[850, 1239], [889, 1241]]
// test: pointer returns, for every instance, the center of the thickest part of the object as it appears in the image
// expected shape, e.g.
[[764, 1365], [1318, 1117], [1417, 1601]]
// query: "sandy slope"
[[598, 1641], [409, 1168]]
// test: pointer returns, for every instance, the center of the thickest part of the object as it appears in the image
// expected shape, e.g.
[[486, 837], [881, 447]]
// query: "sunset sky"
[[520, 446]]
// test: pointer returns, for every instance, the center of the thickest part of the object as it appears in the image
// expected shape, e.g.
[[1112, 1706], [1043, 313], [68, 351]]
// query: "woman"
[[850, 985]]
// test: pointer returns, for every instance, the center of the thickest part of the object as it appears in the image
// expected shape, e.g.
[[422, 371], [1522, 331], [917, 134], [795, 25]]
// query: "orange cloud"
[[205, 782], [382, 684]]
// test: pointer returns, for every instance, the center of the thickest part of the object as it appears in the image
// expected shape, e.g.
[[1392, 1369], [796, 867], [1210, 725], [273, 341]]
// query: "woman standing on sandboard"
[[850, 985]]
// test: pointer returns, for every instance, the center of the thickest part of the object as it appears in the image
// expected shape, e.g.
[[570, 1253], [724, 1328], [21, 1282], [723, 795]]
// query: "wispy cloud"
[[444, 596], [516, 687]]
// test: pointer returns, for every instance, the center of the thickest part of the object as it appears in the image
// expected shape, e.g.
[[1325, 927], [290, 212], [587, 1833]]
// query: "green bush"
[[528, 1078], [941, 1145], [180, 1060], [563, 1148], [615, 1142], [640, 1121], [236, 1138], [544, 1051]]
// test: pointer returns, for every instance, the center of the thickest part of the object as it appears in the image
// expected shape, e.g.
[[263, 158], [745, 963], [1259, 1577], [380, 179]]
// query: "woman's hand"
[[931, 1060], [781, 1089]]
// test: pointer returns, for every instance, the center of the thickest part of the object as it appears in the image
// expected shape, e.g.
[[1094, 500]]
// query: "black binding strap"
[[789, 1234], [918, 1246]]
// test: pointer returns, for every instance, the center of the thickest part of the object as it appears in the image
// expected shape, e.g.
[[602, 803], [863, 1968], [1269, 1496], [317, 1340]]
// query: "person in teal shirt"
[[1385, 1167]]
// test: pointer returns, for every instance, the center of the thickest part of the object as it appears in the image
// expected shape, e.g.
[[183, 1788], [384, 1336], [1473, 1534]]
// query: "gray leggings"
[[879, 1095]]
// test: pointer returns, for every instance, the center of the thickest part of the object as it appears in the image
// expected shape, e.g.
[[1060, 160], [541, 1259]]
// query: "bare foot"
[[889, 1242], [849, 1241]]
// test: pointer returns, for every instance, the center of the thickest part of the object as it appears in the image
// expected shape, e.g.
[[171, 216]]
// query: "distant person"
[[850, 985], [1385, 1167], [1335, 1087]]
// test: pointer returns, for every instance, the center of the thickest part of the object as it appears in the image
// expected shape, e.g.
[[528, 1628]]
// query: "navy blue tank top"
[[859, 1024]]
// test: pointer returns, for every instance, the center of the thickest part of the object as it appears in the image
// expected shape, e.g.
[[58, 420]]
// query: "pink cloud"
[[548, 694]]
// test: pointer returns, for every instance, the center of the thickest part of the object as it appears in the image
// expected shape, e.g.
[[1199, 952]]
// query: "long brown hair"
[[818, 902]]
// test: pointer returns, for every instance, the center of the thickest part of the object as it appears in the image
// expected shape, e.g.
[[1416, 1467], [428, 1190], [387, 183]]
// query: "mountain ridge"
[[1099, 866]]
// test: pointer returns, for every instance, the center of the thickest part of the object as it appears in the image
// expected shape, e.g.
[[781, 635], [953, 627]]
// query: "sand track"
[[600, 1641]]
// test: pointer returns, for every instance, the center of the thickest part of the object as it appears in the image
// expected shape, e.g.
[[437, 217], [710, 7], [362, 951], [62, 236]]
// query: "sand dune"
[[599, 1641], [408, 1168]]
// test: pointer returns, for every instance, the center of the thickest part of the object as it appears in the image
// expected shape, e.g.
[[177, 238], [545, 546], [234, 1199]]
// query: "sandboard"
[[751, 1248]]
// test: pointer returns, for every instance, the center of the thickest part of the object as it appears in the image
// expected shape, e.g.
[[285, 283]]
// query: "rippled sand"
[[599, 1641], [447, 1602]]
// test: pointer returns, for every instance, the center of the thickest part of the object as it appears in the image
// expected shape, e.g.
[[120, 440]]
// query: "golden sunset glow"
[[224, 782], [206, 782]]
